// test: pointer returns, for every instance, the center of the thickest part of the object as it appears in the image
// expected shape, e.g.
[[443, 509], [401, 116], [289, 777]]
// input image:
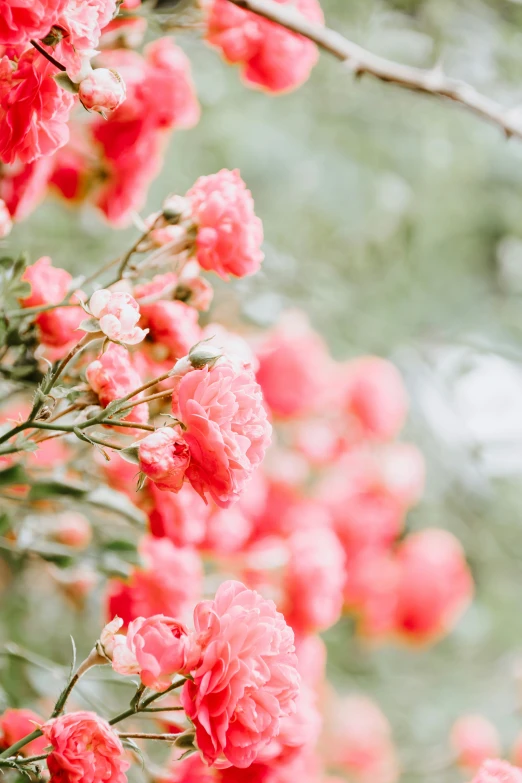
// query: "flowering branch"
[[360, 61]]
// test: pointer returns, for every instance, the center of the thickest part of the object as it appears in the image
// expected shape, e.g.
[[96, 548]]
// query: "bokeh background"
[[395, 221]]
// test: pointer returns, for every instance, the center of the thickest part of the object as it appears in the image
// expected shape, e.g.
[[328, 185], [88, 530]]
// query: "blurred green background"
[[395, 221]]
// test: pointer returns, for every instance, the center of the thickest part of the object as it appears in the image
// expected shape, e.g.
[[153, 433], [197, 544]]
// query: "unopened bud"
[[203, 354], [109, 638], [173, 208], [103, 90], [54, 36]]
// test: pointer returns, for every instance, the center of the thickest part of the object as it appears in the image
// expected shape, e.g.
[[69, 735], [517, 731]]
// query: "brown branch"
[[47, 55], [360, 61]]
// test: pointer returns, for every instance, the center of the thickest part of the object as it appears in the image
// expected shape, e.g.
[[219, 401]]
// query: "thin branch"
[[47, 55], [144, 735], [360, 61]]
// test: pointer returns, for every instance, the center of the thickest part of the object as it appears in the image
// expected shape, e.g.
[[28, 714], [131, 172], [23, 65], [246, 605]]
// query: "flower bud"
[[109, 638], [173, 208], [6, 223], [103, 90], [203, 354]]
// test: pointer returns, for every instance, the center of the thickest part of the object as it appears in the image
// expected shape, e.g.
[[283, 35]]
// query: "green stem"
[[12, 750], [145, 703]]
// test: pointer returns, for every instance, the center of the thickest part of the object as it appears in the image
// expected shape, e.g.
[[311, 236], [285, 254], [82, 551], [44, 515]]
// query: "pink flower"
[[314, 580], [21, 20], [474, 739], [180, 516], [247, 679], [229, 234], [34, 109], [270, 56], [169, 582], [23, 186], [170, 80], [49, 284], [15, 724], [226, 429], [164, 458], [72, 529], [497, 771], [361, 742], [118, 314], [85, 750], [373, 396], [435, 585], [156, 648], [103, 90], [81, 24], [172, 324], [6, 223], [113, 376], [295, 369]]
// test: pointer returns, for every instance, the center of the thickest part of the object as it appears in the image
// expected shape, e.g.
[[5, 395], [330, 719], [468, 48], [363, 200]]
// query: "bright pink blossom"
[[6, 223], [270, 56], [173, 324], [81, 24], [156, 648], [295, 369], [497, 771], [118, 314], [226, 429], [23, 186], [169, 582], [85, 750], [314, 580], [229, 234], [474, 739], [34, 109], [111, 376], [435, 585], [164, 457], [103, 90], [180, 516], [16, 724], [21, 20], [247, 679]]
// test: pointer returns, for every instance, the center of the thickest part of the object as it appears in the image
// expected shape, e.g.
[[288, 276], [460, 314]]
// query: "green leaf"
[[90, 325], [130, 454], [5, 523], [66, 83], [53, 488], [120, 545], [13, 475], [114, 501]]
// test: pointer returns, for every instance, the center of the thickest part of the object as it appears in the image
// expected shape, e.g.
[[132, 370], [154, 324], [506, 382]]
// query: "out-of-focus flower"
[[164, 457], [225, 428], [72, 529], [497, 771], [34, 109], [156, 648], [113, 376], [169, 582], [295, 369], [360, 742], [103, 90], [373, 397], [6, 223], [474, 739], [180, 516], [173, 325], [85, 748], [118, 314], [270, 56], [229, 234], [435, 585], [23, 186], [247, 679], [16, 724], [21, 20]]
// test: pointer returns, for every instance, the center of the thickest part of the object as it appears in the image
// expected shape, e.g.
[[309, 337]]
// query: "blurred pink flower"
[[172, 324], [85, 750], [16, 724], [247, 679], [497, 771], [474, 739], [270, 56], [229, 234]]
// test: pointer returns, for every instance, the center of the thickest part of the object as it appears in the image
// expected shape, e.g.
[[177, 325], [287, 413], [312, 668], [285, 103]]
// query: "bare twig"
[[47, 55], [360, 61]]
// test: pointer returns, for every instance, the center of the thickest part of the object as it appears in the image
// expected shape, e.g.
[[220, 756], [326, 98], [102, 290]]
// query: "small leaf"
[[130, 454], [120, 545], [47, 489], [65, 82], [13, 475], [142, 478], [185, 740], [90, 325]]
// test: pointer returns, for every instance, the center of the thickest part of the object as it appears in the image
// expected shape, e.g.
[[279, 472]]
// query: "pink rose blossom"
[[16, 724], [34, 109], [49, 284], [247, 679], [497, 771], [164, 457], [169, 582], [180, 516], [103, 90], [474, 740], [314, 580], [23, 186], [82, 22], [435, 585], [118, 314], [156, 648], [113, 376], [229, 234], [172, 324], [21, 20], [270, 56], [85, 750], [226, 429], [72, 529], [6, 223]]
